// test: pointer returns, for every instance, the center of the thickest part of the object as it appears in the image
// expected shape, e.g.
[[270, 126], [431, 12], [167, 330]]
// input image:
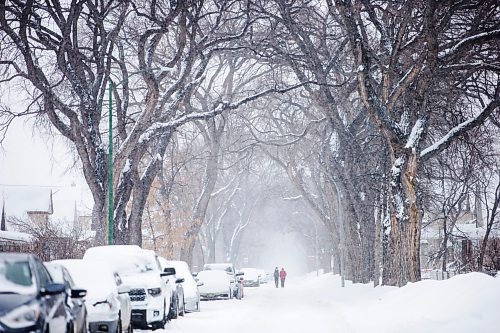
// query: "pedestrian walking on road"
[[282, 277], [276, 276]]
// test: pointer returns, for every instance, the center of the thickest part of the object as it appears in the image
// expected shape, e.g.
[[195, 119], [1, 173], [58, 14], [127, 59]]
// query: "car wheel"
[[69, 328], [198, 309], [174, 309], [183, 310], [119, 327], [84, 327], [238, 294], [166, 316]]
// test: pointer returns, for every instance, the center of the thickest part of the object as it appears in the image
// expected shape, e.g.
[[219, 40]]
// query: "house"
[[31, 210], [13, 241], [463, 245]]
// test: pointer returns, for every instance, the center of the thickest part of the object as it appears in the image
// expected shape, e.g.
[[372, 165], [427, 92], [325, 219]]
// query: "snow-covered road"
[[264, 309], [465, 303]]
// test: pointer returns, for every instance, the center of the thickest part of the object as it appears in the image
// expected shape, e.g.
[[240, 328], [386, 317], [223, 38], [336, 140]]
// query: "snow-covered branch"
[[458, 130], [469, 40], [219, 109]]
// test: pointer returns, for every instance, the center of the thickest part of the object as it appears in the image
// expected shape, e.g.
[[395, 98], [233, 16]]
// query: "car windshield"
[[150, 260], [219, 267], [181, 269], [250, 273], [207, 276], [151, 264], [16, 277], [95, 276]]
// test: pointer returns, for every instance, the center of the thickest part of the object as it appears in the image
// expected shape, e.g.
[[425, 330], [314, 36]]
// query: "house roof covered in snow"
[[20, 200], [467, 230], [14, 236]]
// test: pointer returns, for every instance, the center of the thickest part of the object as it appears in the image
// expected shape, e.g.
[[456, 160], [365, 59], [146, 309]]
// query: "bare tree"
[[491, 199], [403, 57], [71, 52]]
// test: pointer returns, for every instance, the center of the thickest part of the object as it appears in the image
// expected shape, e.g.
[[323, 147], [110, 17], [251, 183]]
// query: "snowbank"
[[464, 303]]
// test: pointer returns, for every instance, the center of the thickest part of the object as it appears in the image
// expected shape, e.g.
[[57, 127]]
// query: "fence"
[[16, 247], [49, 248], [437, 274]]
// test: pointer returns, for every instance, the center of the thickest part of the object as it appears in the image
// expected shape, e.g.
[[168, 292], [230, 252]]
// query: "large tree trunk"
[[403, 264], [132, 188], [492, 215], [212, 136]]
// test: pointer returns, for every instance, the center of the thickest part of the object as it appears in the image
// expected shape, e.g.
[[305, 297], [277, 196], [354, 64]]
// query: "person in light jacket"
[[276, 276], [282, 277]]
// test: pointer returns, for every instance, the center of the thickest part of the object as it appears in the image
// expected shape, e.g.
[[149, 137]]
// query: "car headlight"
[[154, 291], [23, 316]]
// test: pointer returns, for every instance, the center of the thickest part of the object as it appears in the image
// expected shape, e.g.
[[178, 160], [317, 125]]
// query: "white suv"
[[149, 294]]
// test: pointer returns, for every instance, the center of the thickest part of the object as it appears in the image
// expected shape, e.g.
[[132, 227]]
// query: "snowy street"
[[266, 309], [317, 304], [157, 153]]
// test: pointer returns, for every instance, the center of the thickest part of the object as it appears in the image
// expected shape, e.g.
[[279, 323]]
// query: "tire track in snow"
[[293, 309]]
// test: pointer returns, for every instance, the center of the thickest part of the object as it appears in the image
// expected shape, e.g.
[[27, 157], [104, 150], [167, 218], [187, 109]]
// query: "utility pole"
[[110, 167], [340, 214], [110, 150]]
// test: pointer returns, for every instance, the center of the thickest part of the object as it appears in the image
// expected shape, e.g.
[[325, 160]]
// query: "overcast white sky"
[[30, 165]]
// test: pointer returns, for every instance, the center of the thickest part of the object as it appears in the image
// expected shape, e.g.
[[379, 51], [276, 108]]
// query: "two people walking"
[[281, 275]]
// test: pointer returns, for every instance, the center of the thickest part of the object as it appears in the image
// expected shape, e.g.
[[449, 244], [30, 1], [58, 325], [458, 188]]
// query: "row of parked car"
[[221, 280], [111, 289]]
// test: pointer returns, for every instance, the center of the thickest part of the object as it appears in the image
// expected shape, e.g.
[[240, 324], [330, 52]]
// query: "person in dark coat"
[[276, 276], [282, 277]]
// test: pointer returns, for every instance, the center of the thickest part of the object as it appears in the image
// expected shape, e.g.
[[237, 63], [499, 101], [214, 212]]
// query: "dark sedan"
[[30, 301]]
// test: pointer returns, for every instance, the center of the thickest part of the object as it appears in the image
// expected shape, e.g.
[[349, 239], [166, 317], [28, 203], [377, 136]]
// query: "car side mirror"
[[179, 280], [168, 271], [53, 289], [78, 293], [195, 274], [199, 283], [240, 274]]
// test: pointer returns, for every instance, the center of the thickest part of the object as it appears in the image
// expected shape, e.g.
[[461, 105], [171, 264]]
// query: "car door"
[[75, 305], [52, 305], [124, 298], [166, 286]]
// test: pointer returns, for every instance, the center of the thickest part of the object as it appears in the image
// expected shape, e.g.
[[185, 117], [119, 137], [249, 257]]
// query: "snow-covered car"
[[216, 284], [149, 293], [263, 276], [30, 301], [189, 285], [251, 277], [107, 301], [175, 284], [75, 306], [236, 285]]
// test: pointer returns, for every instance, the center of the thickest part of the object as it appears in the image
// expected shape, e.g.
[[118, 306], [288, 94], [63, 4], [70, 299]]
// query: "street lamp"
[[110, 149]]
